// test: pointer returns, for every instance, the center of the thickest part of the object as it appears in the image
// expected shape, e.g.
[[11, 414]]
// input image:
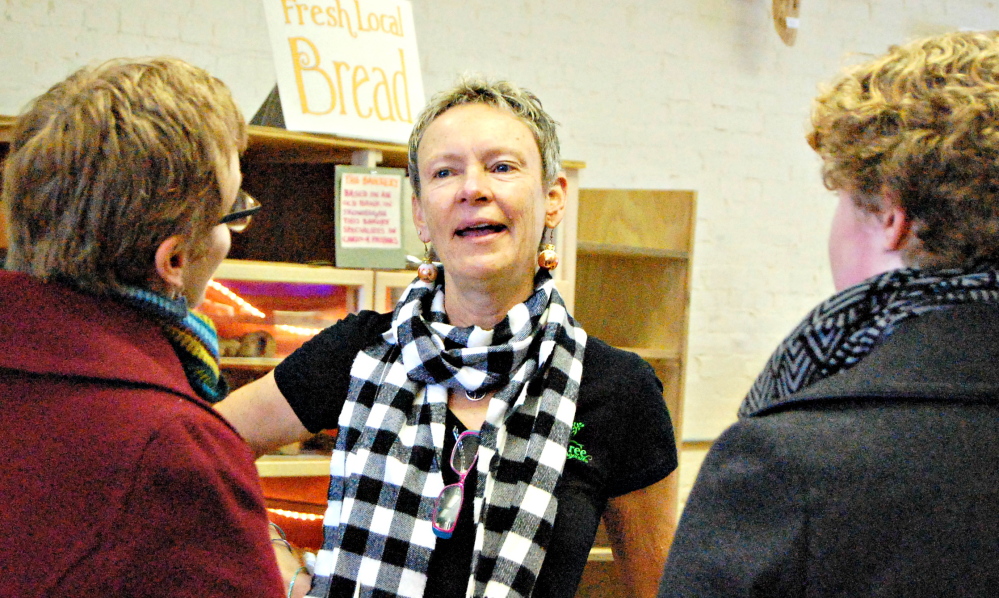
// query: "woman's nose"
[[475, 186]]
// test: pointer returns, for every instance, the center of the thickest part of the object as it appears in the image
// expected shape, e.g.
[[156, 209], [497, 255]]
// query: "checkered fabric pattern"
[[386, 467], [846, 327]]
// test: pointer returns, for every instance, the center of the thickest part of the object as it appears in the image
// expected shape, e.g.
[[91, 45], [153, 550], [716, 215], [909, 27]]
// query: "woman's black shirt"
[[622, 441]]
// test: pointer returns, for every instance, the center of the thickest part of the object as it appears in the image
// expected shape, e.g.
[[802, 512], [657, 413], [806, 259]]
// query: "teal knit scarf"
[[192, 336]]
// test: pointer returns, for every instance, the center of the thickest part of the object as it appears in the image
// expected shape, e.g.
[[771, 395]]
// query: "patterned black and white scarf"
[[843, 329], [386, 467]]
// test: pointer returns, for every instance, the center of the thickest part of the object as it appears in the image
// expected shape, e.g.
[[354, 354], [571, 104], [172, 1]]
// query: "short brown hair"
[[923, 122], [111, 162], [474, 89]]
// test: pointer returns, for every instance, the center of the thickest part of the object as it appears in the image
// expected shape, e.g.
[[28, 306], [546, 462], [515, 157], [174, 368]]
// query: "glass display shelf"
[[265, 310]]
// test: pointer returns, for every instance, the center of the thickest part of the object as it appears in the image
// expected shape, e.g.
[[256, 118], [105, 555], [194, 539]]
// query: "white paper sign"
[[347, 67], [369, 212]]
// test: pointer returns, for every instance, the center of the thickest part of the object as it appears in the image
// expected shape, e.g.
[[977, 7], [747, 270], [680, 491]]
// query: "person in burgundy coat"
[[121, 185], [864, 459]]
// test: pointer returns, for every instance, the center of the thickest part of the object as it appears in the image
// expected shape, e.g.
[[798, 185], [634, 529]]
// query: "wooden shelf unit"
[[633, 259], [633, 276]]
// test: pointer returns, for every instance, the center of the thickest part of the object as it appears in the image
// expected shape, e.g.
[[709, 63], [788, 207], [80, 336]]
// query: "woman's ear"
[[895, 222], [555, 204], [171, 260], [418, 220]]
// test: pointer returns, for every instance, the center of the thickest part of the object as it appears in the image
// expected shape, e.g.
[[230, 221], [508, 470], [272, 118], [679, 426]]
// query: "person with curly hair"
[[863, 460]]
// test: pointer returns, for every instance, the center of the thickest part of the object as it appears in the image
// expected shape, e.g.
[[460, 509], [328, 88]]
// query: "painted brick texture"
[[668, 94]]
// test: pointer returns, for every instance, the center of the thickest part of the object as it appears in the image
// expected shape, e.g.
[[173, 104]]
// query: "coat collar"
[[945, 355], [51, 329]]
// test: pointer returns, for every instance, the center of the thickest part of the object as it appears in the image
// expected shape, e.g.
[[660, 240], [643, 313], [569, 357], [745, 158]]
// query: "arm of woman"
[[641, 525], [315, 378], [291, 563], [262, 416]]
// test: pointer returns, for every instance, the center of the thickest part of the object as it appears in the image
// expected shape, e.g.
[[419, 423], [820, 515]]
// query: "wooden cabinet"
[[633, 258], [633, 276]]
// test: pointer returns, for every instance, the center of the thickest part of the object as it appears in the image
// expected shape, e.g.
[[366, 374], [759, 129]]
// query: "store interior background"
[[651, 94]]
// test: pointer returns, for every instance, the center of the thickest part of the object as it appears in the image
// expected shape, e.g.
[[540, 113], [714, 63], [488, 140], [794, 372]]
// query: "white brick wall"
[[43, 41], [651, 94]]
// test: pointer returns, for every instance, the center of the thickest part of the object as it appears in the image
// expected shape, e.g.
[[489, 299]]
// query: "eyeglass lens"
[[466, 449], [242, 212], [448, 508]]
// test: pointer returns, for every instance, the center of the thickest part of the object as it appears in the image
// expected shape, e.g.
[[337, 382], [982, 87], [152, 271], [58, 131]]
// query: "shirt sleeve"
[[315, 378], [633, 422], [742, 532]]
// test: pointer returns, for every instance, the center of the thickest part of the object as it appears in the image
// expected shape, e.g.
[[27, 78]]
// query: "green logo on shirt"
[[576, 450]]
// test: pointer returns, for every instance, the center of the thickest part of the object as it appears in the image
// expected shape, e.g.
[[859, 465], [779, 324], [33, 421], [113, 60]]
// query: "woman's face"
[[200, 269], [858, 245], [483, 204]]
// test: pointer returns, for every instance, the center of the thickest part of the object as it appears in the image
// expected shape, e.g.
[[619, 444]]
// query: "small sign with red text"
[[369, 217]]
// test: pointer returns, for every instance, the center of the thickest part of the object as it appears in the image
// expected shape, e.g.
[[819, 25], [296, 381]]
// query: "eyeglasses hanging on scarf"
[[463, 457]]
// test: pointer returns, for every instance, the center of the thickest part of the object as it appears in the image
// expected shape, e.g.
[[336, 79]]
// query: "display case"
[[285, 304], [263, 311]]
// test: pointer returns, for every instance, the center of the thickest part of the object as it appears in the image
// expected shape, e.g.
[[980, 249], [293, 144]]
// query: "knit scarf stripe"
[[192, 340], [845, 328], [386, 468], [192, 336]]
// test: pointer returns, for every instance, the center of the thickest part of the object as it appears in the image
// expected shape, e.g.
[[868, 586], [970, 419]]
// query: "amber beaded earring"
[[547, 257], [427, 271]]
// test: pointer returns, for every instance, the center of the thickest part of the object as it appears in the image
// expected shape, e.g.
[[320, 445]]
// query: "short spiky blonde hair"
[[475, 89], [111, 162], [923, 122]]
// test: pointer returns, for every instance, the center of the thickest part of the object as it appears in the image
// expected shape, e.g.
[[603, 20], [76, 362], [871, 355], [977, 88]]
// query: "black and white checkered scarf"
[[843, 329], [386, 467]]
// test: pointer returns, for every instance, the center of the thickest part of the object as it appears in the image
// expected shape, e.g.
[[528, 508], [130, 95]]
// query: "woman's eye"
[[442, 172], [503, 167]]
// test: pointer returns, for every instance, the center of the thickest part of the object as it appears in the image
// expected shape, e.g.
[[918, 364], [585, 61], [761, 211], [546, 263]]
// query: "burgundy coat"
[[117, 479]]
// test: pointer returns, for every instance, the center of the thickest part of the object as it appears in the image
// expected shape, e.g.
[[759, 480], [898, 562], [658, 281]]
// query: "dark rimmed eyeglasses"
[[242, 212], [463, 457]]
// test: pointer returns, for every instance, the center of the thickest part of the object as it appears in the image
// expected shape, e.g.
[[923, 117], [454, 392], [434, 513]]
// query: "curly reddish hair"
[[922, 123]]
